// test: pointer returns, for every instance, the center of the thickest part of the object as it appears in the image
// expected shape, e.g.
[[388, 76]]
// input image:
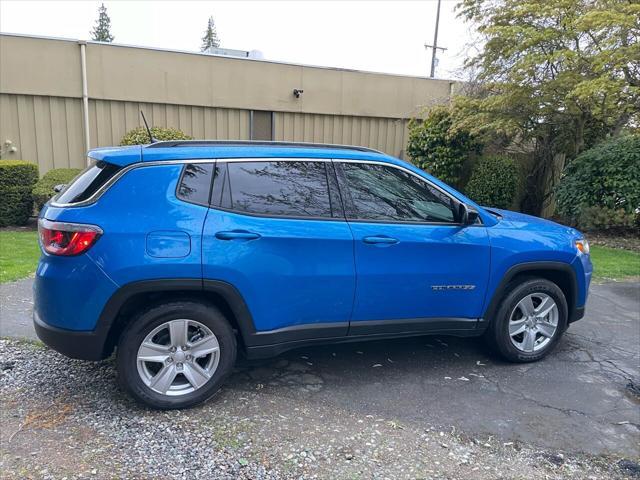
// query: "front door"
[[417, 268]]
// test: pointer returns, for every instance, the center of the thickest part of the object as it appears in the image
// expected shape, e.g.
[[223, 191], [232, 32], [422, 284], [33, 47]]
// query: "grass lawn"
[[614, 263], [19, 253]]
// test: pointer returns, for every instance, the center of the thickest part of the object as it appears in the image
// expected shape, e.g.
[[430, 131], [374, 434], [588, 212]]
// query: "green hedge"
[[600, 189], [493, 182], [17, 179], [43, 190], [139, 136], [436, 147], [603, 218]]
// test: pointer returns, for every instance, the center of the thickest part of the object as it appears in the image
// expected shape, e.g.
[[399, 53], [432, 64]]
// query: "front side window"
[[280, 188], [92, 178], [383, 193], [195, 183]]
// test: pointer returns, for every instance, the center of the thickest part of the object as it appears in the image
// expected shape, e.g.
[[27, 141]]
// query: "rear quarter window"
[[90, 180], [195, 183]]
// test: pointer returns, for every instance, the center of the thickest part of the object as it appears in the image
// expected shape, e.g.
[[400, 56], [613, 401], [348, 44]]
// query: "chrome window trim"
[[98, 193], [273, 159]]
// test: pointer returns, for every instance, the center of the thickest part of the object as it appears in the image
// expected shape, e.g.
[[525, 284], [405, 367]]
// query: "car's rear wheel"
[[530, 320], [176, 355]]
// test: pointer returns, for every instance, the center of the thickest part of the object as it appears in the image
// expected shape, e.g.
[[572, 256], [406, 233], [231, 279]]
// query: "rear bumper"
[[74, 344]]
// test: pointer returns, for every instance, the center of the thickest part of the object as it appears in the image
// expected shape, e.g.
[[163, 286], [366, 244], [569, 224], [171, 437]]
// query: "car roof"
[[199, 149], [221, 149]]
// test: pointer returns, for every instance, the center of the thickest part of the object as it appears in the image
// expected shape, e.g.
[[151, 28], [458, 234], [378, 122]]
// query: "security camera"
[[297, 92]]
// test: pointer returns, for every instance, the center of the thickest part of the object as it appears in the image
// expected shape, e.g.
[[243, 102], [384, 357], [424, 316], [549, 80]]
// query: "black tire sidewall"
[[500, 328], [151, 318]]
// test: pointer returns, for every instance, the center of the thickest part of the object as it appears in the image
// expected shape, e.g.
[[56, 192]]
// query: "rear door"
[[417, 267], [276, 231]]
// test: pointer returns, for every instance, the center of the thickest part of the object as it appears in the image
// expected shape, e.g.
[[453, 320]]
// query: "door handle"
[[380, 239], [237, 235]]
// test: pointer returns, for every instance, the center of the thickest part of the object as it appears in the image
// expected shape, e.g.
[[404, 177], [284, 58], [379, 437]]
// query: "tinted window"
[[379, 192], [88, 182], [195, 183], [298, 189]]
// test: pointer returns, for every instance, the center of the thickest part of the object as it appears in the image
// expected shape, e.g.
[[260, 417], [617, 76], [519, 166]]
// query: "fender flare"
[[574, 313], [225, 290]]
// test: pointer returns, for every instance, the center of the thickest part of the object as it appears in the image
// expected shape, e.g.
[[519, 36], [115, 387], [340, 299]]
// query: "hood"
[[522, 220]]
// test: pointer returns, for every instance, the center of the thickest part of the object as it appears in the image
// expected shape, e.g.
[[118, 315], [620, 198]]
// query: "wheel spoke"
[[544, 303], [153, 352], [526, 306], [195, 374], [529, 341], [544, 311], [178, 332], [546, 329], [204, 346], [516, 327], [163, 379]]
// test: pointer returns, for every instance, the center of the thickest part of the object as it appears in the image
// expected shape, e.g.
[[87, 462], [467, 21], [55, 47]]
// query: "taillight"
[[67, 239]]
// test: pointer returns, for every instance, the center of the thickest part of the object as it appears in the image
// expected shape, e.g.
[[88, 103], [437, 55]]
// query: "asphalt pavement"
[[584, 397]]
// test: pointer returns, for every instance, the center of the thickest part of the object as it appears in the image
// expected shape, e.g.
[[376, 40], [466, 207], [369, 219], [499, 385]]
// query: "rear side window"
[[280, 188], [383, 193], [88, 182], [195, 183]]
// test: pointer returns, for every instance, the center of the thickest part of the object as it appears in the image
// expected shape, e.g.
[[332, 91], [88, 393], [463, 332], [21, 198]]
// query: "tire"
[[511, 317], [197, 368]]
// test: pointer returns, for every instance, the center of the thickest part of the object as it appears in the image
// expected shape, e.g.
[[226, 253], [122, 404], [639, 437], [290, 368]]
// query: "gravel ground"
[[66, 419]]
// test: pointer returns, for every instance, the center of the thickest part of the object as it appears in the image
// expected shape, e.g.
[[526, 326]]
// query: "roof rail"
[[255, 143]]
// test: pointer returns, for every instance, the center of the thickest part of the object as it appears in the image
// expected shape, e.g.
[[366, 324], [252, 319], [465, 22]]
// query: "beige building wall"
[[207, 97], [46, 130], [384, 134]]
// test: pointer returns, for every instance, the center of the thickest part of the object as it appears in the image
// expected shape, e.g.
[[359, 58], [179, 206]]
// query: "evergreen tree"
[[210, 39], [102, 31]]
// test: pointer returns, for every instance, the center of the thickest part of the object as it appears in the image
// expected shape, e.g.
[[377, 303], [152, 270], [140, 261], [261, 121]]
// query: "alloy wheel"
[[178, 357], [533, 322]]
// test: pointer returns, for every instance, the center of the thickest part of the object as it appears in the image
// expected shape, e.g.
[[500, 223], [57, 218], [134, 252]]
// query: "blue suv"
[[178, 255]]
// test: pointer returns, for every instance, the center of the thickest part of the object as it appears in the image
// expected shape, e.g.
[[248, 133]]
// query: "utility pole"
[[435, 46]]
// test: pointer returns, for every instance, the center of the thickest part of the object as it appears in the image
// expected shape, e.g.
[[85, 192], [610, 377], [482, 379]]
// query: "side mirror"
[[467, 215], [58, 188]]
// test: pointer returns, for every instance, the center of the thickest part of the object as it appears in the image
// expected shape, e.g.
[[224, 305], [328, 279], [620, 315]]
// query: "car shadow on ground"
[[352, 363]]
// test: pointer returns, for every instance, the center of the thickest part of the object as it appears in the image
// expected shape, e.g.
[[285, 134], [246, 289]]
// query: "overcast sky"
[[381, 36]]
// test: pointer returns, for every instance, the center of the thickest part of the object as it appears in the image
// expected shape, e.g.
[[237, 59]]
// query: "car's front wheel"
[[176, 355], [530, 320]]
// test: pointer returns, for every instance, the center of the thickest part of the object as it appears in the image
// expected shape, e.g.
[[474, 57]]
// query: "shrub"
[[17, 179], [603, 218], [493, 182], [43, 190], [606, 176], [139, 136], [437, 148]]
